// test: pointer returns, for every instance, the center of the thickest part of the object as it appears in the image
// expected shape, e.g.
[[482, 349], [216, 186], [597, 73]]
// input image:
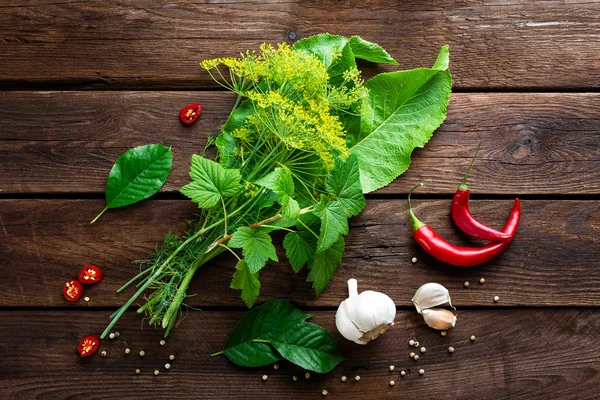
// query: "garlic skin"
[[430, 295], [364, 317], [438, 318]]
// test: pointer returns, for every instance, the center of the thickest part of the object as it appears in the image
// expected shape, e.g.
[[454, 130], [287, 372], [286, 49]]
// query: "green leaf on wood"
[[256, 246], [260, 323], [247, 282], [211, 182], [309, 346], [137, 174], [343, 183], [407, 107], [325, 264]]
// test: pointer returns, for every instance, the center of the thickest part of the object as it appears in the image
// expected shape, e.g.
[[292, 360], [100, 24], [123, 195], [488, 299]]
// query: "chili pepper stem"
[[415, 221], [463, 185], [99, 215]]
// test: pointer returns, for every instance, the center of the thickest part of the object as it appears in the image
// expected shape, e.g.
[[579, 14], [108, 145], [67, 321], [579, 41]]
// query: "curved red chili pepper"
[[189, 114], [90, 274], [444, 251], [72, 291], [462, 216], [88, 346]]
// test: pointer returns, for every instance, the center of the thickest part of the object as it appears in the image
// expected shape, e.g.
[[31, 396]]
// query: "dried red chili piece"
[[189, 114], [72, 290], [90, 274], [88, 346]]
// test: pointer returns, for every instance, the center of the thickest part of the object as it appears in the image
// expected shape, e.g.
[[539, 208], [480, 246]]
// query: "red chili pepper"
[[190, 113], [90, 274], [72, 291], [88, 346], [444, 251], [462, 216]]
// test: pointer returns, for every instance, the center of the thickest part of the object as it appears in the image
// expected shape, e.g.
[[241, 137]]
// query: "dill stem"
[[133, 279]]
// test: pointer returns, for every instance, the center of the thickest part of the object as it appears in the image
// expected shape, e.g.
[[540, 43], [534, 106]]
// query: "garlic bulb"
[[439, 319], [430, 295], [364, 317]]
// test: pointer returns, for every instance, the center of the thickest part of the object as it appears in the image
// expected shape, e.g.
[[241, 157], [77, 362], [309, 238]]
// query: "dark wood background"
[[81, 82]]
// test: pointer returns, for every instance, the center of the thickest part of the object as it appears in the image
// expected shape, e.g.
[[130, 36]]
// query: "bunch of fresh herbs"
[[305, 139]]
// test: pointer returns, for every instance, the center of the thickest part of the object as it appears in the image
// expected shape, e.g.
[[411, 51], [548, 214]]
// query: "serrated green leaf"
[[281, 182], [343, 183], [247, 282], [407, 107], [300, 246], [210, 182], [334, 222], [260, 323], [370, 51], [327, 48], [256, 246], [325, 264], [138, 174], [238, 117], [309, 346]]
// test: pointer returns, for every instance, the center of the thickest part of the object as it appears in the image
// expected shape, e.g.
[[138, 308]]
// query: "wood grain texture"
[[116, 44], [518, 355], [552, 262], [66, 142]]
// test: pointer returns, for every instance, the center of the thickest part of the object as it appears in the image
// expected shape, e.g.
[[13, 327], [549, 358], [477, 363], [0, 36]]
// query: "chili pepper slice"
[[88, 346], [189, 114], [89, 274], [72, 291], [462, 216], [445, 251]]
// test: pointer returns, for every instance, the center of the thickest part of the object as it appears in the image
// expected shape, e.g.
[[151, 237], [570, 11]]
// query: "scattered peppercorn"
[[450, 349], [167, 366], [103, 354], [162, 342], [411, 342], [403, 372], [344, 378], [417, 344], [127, 351], [473, 338], [142, 353], [265, 377], [412, 355], [112, 335], [324, 392], [392, 368], [137, 371], [307, 375], [156, 372], [496, 298], [423, 349], [86, 298], [482, 281], [414, 260], [443, 333], [416, 357], [421, 371], [357, 378], [117, 334], [171, 357], [295, 378], [466, 284], [392, 383], [275, 366]]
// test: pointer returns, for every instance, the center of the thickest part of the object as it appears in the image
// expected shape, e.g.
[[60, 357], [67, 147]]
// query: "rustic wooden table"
[[81, 82]]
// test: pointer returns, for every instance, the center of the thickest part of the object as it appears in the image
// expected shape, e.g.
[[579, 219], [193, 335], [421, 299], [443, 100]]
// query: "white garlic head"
[[364, 317], [430, 295], [438, 318]]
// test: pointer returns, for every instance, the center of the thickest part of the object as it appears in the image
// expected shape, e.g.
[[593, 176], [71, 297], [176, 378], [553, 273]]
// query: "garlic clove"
[[430, 295], [364, 317], [438, 318]]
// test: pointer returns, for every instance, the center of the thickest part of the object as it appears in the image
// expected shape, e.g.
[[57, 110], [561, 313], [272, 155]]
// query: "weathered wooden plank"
[[159, 43], [531, 143], [552, 262], [518, 355]]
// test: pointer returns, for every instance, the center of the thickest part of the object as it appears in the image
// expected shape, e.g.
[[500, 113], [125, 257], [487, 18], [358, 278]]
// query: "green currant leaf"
[[300, 246], [281, 182], [137, 174], [309, 346], [256, 246], [343, 183], [227, 147], [247, 282], [370, 51], [261, 322], [334, 222], [325, 264], [211, 182]]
